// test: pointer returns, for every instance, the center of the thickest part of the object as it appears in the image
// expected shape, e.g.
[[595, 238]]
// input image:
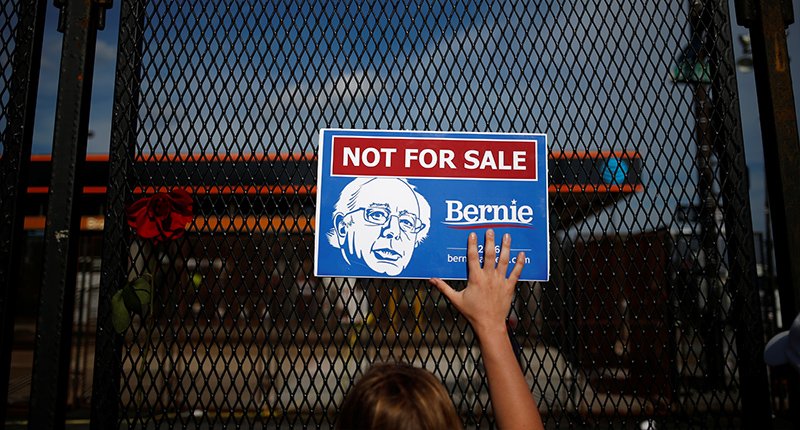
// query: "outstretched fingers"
[[473, 260], [445, 289], [517, 270], [489, 252], [505, 250]]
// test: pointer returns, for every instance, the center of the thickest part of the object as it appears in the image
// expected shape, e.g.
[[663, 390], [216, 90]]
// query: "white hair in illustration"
[[348, 200]]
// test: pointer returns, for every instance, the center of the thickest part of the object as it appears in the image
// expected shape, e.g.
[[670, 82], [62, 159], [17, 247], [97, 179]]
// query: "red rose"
[[162, 216]]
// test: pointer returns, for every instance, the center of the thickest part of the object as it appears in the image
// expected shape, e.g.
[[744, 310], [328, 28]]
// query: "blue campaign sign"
[[400, 204]]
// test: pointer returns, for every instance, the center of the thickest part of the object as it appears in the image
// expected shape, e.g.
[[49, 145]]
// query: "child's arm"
[[485, 302]]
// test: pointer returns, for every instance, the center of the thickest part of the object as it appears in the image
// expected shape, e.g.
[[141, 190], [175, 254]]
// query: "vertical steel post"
[[701, 23], [17, 140], [711, 319], [127, 88], [742, 285], [767, 20], [79, 22], [778, 116]]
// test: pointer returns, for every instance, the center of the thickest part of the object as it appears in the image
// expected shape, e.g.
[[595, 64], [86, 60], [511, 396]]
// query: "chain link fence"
[[20, 51], [652, 281]]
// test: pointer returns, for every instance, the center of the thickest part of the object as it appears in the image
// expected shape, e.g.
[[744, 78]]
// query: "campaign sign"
[[400, 204]]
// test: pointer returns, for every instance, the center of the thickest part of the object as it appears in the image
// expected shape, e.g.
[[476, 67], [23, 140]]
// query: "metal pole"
[[744, 315], [701, 22], [17, 140], [710, 324], [767, 20], [114, 272], [781, 145], [79, 21]]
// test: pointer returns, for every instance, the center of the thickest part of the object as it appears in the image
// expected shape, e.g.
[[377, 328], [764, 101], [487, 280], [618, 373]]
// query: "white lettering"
[[454, 210], [460, 213], [387, 152], [474, 159], [446, 159], [471, 159], [376, 157], [456, 258], [483, 209], [351, 155], [430, 156], [488, 161], [503, 165], [514, 210], [471, 213], [498, 209], [525, 214], [369, 157], [411, 154], [519, 160], [514, 260]]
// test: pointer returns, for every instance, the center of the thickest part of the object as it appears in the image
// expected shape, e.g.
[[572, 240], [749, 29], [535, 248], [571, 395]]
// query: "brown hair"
[[398, 397]]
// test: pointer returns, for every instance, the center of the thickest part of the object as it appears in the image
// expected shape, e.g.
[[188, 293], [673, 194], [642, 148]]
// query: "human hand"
[[486, 300]]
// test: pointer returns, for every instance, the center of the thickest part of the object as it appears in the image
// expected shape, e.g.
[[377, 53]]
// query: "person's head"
[[398, 397], [380, 221], [784, 347]]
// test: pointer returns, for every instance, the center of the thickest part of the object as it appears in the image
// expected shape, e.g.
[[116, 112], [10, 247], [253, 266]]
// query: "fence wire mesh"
[[20, 49], [8, 18], [651, 281], [9, 151]]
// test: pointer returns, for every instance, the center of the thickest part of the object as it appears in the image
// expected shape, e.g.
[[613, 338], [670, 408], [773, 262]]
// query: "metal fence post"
[[16, 146], [767, 20], [79, 21], [746, 306], [781, 145], [107, 367]]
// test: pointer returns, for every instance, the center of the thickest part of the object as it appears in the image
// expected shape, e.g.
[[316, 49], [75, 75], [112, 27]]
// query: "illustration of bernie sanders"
[[379, 222]]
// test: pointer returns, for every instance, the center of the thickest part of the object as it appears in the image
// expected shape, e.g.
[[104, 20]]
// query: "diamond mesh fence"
[[652, 272], [20, 49], [8, 22], [8, 17]]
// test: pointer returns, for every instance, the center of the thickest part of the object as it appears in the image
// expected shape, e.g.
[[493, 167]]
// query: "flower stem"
[[144, 363]]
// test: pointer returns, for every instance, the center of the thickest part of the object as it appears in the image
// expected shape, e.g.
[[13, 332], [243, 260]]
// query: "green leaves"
[[135, 297], [120, 317]]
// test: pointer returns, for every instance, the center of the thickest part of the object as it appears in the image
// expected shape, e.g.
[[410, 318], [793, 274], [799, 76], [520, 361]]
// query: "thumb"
[[445, 289]]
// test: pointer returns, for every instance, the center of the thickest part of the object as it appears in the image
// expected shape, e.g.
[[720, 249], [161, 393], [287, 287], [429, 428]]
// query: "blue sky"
[[356, 81]]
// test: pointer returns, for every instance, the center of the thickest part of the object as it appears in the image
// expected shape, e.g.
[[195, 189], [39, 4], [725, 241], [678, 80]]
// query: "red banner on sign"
[[434, 158]]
